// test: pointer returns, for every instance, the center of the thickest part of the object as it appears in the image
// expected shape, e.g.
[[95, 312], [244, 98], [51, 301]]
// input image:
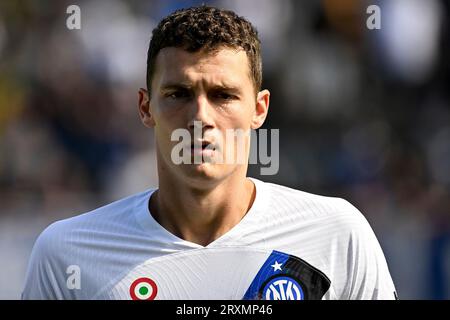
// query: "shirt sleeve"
[[42, 280], [368, 274]]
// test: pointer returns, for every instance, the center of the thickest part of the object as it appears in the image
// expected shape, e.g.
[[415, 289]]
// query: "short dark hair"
[[206, 28]]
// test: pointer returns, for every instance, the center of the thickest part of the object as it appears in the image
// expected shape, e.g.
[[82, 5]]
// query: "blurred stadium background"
[[363, 114]]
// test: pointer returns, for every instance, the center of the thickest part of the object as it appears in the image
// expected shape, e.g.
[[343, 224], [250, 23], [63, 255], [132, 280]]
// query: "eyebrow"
[[188, 86], [175, 85], [230, 88]]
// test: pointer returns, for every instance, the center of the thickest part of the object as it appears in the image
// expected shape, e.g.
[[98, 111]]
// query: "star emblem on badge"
[[276, 266]]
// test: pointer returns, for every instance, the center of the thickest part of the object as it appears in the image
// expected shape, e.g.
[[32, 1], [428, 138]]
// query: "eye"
[[224, 96], [178, 94]]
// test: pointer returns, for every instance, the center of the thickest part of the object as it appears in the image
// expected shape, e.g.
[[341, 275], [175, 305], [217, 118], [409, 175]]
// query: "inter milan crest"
[[282, 288], [287, 277]]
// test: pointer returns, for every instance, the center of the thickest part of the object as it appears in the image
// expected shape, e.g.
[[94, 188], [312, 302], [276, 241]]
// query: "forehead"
[[227, 65]]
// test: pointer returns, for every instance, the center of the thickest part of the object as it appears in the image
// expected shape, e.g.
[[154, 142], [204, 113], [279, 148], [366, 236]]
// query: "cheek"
[[168, 120], [163, 130], [240, 119]]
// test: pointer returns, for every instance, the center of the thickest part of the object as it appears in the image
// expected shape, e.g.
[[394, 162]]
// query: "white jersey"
[[290, 245]]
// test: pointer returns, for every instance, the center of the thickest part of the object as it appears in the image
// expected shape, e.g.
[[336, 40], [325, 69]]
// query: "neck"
[[202, 215]]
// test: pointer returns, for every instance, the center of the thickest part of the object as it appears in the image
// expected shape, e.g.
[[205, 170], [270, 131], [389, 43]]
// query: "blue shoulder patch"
[[287, 277]]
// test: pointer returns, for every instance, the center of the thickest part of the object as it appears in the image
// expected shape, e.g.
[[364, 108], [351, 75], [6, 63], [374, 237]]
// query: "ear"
[[144, 109], [261, 109]]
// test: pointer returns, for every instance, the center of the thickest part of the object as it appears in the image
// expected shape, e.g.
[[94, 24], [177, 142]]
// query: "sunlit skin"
[[201, 202]]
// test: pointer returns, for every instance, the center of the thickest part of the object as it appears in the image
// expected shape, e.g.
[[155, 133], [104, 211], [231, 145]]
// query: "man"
[[208, 231]]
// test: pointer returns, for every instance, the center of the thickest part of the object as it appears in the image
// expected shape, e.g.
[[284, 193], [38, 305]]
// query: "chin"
[[204, 173], [203, 170]]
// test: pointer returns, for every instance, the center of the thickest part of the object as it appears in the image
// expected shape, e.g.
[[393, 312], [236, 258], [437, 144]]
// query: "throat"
[[201, 220]]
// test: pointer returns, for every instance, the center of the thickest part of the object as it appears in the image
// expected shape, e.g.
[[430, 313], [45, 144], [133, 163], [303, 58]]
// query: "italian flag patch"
[[143, 289]]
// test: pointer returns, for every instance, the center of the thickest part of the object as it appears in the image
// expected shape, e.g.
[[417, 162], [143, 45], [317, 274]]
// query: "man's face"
[[209, 93]]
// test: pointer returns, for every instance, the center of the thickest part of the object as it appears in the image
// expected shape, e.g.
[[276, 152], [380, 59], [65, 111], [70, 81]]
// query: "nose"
[[201, 114]]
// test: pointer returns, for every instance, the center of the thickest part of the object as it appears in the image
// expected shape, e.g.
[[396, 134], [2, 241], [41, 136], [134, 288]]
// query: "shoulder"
[[101, 223], [335, 237], [85, 241], [303, 206]]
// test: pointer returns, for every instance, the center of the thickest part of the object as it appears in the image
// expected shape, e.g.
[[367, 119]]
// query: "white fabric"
[[116, 244]]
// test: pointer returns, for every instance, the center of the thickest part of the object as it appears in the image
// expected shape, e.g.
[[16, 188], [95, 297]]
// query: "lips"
[[204, 145], [202, 151]]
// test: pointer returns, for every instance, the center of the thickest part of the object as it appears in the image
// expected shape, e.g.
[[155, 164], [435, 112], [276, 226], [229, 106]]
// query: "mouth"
[[203, 145], [205, 149]]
